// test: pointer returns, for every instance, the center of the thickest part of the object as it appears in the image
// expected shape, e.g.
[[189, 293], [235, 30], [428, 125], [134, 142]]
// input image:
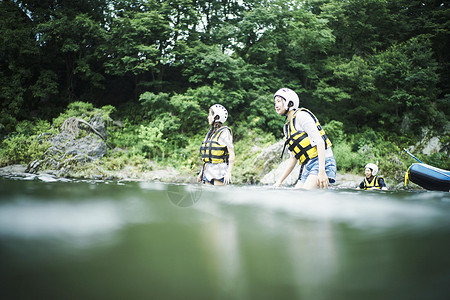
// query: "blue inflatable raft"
[[428, 177]]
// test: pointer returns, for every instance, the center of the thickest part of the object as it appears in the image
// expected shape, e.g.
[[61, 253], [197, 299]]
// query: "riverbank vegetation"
[[376, 73]]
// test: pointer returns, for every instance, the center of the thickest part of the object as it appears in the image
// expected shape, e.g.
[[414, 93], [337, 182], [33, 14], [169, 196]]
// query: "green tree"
[[406, 80], [138, 45], [50, 54], [18, 51], [349, 91], [361, 27], [208, 65], [77, 44], [362, 62], [430, 18]]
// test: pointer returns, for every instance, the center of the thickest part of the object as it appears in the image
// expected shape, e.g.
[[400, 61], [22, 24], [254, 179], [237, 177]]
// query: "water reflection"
[[118, 239], [30, 219]]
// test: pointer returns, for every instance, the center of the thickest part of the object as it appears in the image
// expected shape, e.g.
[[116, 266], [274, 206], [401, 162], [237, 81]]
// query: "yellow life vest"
[[373, 184], [298, 141], [212, 151]]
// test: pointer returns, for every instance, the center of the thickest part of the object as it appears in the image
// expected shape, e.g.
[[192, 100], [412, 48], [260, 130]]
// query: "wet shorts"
[[211, 182], [312, 168]]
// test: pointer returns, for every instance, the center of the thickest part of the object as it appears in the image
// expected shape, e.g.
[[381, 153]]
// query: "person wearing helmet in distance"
[[307, 143], [372, 181], [217, 149]]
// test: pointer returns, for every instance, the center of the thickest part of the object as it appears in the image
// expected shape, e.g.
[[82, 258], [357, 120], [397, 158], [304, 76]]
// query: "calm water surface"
[[142, 240]]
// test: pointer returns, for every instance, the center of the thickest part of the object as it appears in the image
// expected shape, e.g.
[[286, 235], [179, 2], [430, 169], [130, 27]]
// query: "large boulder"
[[269, 157], [430, 142], [69, 148], [271, 177], [273, 165]]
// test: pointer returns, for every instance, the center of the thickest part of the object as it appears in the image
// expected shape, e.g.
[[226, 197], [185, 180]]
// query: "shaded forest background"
[[374, 72]]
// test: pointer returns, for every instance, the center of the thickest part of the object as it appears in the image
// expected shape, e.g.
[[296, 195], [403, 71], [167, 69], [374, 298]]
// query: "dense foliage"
[[376, 71]]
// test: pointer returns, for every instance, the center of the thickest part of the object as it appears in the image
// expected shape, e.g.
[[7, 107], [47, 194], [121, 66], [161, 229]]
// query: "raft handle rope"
[[410, 154]]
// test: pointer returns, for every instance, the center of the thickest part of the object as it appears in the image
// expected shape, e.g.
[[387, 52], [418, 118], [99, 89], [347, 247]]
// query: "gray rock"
[[13, 169], [271, 177], [90, 146], [270, 157], [68, 150], [274, 166], [433, 145], [99, 124], [430, 143]]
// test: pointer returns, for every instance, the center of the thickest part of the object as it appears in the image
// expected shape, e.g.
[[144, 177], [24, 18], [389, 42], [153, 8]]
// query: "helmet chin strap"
[[290, 104]]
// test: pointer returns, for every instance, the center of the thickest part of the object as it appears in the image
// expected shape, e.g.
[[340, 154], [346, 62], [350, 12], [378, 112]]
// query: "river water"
[[75, 239]]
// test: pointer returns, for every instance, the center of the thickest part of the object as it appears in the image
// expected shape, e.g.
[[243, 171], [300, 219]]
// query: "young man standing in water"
[[307, 143]]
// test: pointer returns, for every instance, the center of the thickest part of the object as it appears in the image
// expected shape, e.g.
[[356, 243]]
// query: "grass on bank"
[[140, 148]]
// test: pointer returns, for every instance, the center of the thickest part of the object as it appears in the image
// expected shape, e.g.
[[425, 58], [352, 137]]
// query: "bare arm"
[[200, 174], [291, 164], [227, 178], [322, 178]]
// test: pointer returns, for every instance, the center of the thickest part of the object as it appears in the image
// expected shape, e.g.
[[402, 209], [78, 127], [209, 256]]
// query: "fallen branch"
[[71, 125]]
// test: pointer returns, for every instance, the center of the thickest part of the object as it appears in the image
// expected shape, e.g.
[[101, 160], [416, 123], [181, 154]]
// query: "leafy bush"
[[29, 128], [83, 110], [151, 142], [262, 114], [22, 149], [26, 144], [185, 110], [130, 111], [438, 159], [189, 156], [142, 140], [335, 131], [346, 159], [123, 136]]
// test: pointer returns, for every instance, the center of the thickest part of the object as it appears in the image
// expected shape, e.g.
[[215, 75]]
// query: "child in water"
[[217, 149], [307, 143], [372, 181]]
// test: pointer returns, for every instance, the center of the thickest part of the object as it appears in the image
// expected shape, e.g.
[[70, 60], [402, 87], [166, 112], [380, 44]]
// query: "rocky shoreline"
[[163, 175], [77, 153], [168, 175]]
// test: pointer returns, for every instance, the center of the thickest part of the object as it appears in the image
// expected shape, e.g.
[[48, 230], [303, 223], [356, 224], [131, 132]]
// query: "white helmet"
[[219, 111], [373, 167], [291, 97]]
